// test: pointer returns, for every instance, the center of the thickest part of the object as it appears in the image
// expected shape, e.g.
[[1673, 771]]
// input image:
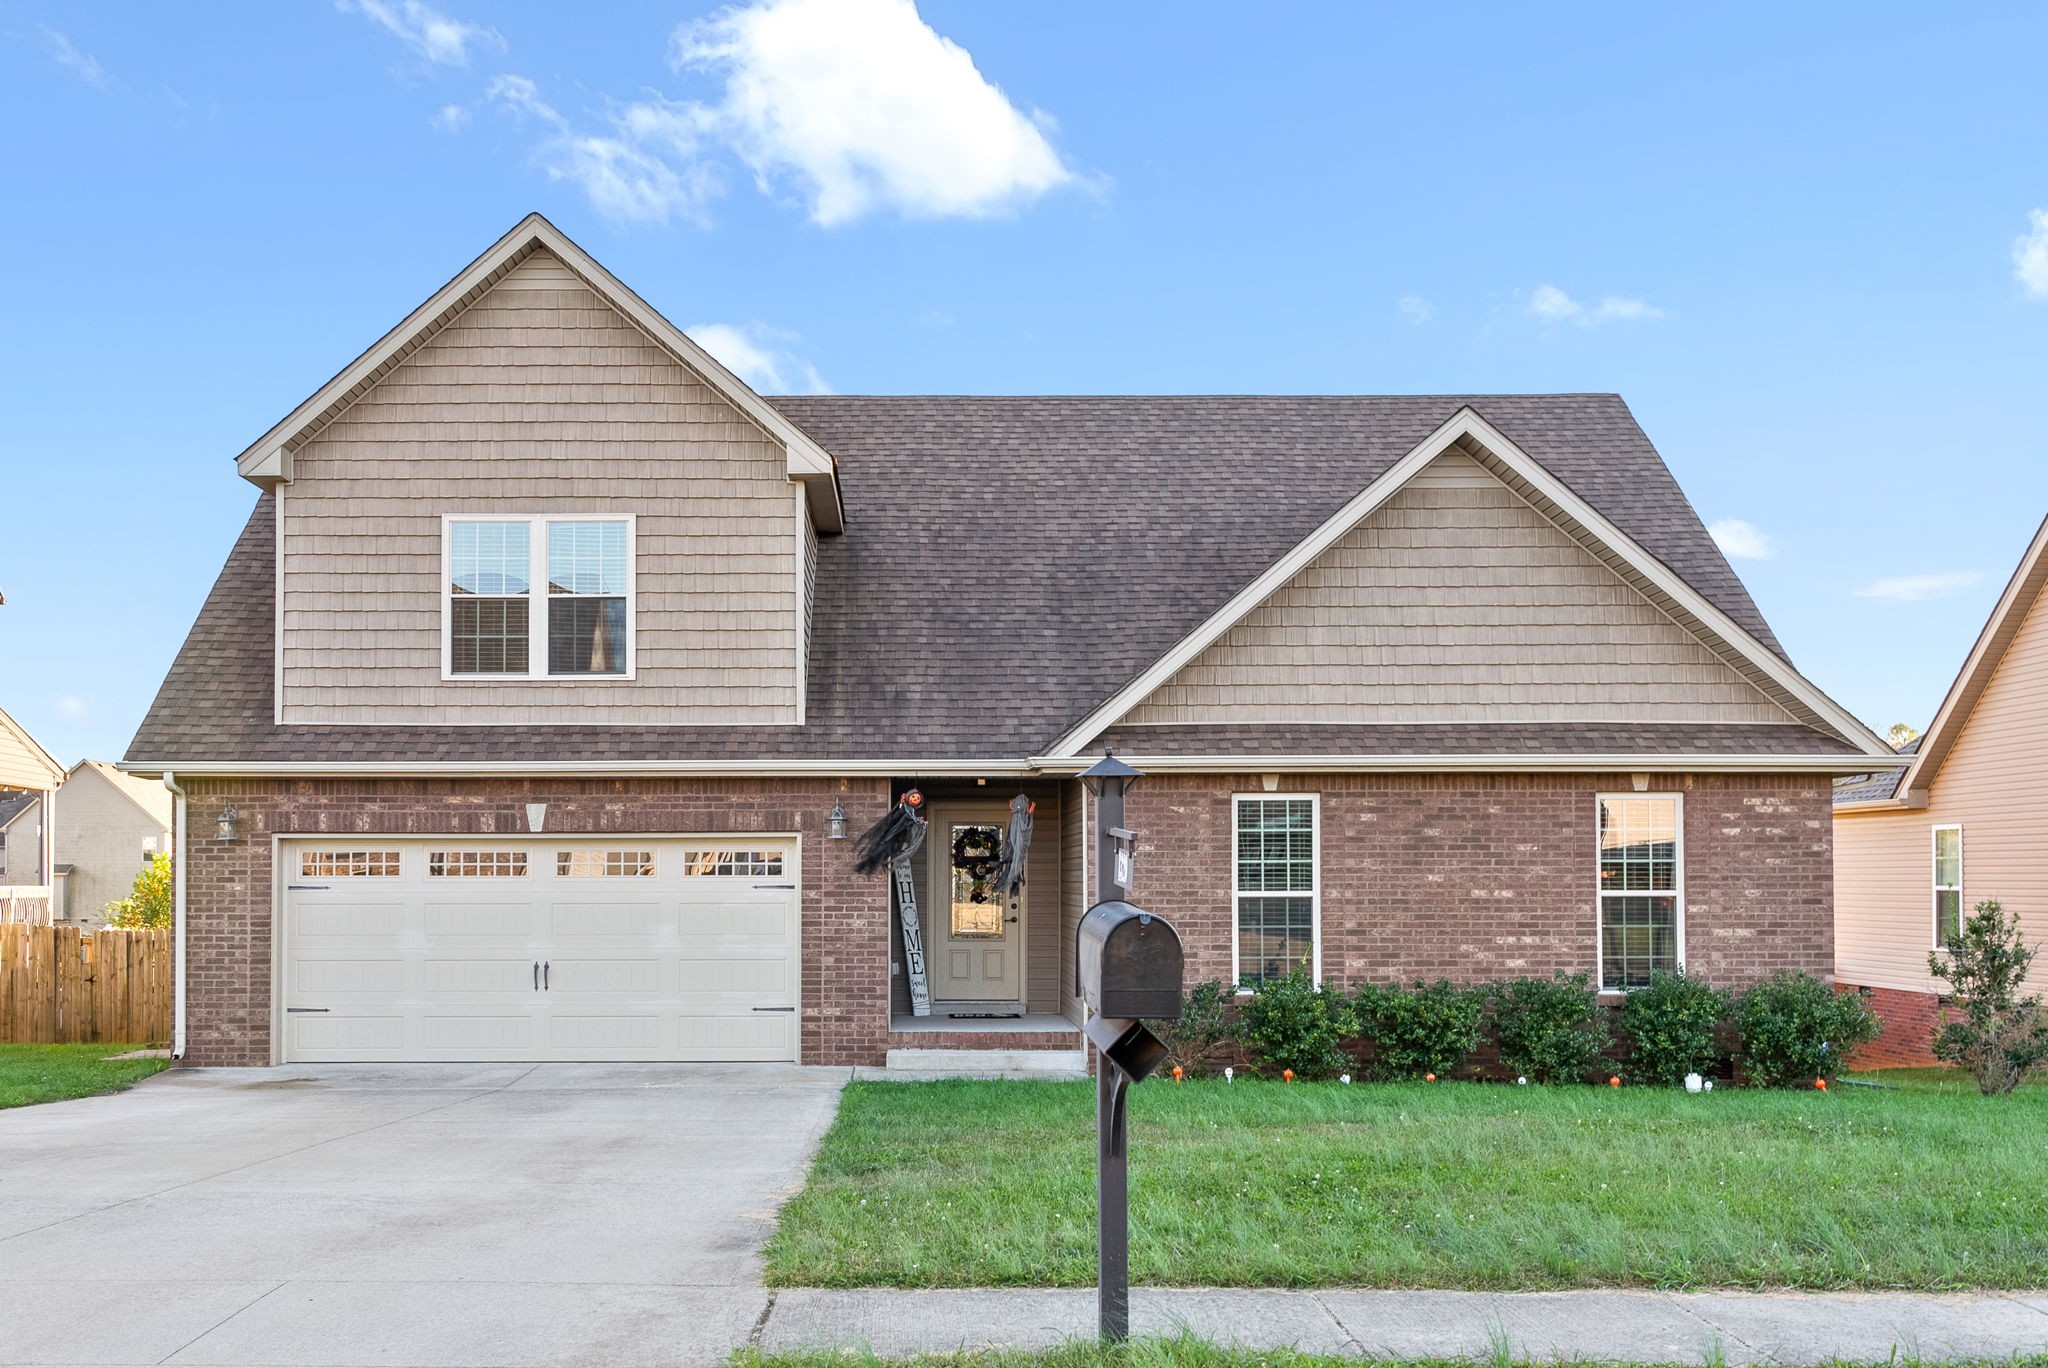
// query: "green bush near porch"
[[985, 1184]]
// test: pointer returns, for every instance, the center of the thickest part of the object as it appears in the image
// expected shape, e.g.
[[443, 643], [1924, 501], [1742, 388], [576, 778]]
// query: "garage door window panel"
[[458, 864], [348, 864], [605, 864]]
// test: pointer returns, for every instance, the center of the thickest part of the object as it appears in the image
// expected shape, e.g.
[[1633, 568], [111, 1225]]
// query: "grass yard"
[[1189, 1353], [55, 1073], [990, 1184]]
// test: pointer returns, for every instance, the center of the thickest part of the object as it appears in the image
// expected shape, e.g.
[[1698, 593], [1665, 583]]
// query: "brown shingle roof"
[[1878, 785], [1008, 564]]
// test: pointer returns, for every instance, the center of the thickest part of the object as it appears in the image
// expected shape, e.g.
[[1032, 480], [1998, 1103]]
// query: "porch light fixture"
[[835, 825], [224, 825]]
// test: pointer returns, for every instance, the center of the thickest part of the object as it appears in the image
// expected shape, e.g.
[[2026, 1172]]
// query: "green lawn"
[[54, 1073], [976, 1184]]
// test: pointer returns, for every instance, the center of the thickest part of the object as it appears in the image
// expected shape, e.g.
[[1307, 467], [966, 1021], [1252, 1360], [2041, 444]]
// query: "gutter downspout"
[[177, 916]]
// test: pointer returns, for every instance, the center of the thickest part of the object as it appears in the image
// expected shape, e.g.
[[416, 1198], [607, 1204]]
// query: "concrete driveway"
[[414, 1215]]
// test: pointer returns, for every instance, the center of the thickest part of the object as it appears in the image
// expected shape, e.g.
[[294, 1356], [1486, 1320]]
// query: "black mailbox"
[[1128, 963]]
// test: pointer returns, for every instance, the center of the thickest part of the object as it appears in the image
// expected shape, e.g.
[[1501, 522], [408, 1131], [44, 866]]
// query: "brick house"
[[1421, 685], [1917, 848]]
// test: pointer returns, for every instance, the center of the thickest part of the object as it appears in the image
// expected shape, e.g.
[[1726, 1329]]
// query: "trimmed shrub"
[[1291, 1023], [1551, 1030], [1670, 1027], [1193, 1038], [1796, 1029], [1429, 1028], [1998, 1035]]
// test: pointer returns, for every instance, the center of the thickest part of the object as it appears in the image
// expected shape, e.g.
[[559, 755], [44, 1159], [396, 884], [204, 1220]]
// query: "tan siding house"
[[109, 825], [1966, 822], [539, 710]]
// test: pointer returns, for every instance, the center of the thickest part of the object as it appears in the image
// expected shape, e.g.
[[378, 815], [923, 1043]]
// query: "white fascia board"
[[1437, 764], [1014, 767], [1467, 423], [266, 459]]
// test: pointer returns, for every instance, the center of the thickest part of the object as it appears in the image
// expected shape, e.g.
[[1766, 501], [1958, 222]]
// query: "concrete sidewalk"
[[1637, 1327]]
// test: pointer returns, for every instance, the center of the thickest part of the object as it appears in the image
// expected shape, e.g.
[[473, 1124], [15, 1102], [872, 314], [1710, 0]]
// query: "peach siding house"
[[1967, 820]]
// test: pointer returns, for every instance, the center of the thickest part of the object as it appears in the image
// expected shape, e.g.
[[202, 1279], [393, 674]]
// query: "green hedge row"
[[1790, 1030]]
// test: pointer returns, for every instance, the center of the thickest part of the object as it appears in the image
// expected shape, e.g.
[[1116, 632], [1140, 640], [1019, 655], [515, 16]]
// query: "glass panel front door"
[[976, 948]]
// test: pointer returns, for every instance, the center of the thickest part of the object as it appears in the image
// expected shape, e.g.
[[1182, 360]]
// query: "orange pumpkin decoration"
[[1429, 1078], [1614, 1081], [1821, 1083], [1287, 1075]]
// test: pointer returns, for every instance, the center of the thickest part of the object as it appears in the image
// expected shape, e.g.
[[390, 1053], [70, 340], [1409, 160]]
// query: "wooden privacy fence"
[[66, 985]]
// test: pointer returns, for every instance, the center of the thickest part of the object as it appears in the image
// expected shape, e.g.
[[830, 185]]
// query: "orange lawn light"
[[1429, 1078], [1614, 1081], [1176, 1073], [1821, 1083], [1287, 1075]]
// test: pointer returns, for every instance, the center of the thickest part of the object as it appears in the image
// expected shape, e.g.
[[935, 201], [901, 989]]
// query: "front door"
[[976, 935]]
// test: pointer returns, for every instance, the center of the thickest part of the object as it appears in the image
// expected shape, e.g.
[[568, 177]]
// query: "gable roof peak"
[[267, 462]]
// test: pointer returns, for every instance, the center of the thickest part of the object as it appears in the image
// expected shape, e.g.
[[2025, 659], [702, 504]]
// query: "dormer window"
[[576, 623]]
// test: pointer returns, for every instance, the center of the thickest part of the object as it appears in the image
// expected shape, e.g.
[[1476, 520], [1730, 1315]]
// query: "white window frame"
[[1314, 893], [1601, 895], [1936, 886], [538, 597]]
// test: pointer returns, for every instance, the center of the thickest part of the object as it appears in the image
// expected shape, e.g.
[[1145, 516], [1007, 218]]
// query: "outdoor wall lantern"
[[835, 825], [224, 825]]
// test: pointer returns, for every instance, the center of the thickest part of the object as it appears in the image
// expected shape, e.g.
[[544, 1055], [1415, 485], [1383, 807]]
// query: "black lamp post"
[[1108, 779]]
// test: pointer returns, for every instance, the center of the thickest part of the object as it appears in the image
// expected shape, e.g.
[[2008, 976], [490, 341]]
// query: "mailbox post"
[[1128, 966]]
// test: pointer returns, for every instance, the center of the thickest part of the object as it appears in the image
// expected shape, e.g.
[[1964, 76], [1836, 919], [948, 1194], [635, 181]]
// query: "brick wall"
[[1468, 876], [1475, 877], [845, 970], [1909, 1021]]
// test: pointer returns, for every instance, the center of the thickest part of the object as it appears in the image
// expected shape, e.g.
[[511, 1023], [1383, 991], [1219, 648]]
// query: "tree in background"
[[148, 905], [1900, 734], [1998, 1035]]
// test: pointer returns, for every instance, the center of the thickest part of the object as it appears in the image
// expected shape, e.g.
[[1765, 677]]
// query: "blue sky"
[[1806, 243]]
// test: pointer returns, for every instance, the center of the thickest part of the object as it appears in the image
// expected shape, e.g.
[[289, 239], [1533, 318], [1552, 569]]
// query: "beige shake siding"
[[1991, 785], [540, 398], [1456, 601]]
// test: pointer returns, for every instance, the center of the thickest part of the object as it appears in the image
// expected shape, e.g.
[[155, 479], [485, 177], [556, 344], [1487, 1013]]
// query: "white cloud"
[[1416, 309], [1740, 539], [760, 356], [865, 107], [71, 58], [624, 174], [72, 708], [432, 35], [1554, 305], [450, 118], [2030, 256], [1920, 588]]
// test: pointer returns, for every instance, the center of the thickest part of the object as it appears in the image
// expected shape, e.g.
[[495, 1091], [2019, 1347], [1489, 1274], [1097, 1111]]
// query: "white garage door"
[[540, 949]]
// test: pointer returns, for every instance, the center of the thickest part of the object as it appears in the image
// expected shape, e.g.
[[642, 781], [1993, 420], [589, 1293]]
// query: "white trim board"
[[1467, 426], [268, 460], [1013, 767]]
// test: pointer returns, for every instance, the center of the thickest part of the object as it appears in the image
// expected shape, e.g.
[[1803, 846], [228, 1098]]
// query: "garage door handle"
[[775, 1009], [309, 1009], [775, 885], [307, 888], [545, 966]]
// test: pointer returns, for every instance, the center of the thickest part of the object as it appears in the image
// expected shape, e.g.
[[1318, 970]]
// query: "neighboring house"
[[523, 716], [21, 838], [109, 826], [1967, 820], [28, 778]]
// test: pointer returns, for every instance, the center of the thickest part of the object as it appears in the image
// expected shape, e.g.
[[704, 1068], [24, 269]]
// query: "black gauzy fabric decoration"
[[899, 833], [1009, 875]]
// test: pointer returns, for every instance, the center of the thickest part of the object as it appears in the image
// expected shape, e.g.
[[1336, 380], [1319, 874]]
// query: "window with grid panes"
[[1640, 888], [576, 621], [1275, 896]]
